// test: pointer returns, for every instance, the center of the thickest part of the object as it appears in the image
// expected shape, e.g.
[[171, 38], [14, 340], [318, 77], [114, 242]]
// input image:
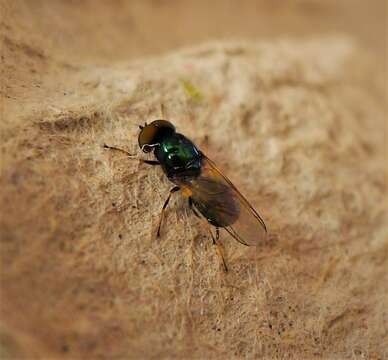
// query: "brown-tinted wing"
[[219, 201]]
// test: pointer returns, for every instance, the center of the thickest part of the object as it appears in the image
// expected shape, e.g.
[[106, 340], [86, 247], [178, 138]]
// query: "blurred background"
[[55, 294], [96, 31]]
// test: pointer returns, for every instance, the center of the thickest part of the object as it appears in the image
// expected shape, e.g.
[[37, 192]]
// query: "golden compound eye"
[[149, 134]]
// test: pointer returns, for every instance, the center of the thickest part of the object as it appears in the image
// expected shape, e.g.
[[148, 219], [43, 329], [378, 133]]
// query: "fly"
[[210, 194]]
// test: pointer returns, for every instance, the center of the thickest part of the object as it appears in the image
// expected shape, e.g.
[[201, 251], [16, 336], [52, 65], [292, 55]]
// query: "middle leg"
[[216, 239], [194, 210]]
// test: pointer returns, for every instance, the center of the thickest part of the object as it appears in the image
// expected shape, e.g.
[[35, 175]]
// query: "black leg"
[[174, 189], [149, 162], [193, 208]]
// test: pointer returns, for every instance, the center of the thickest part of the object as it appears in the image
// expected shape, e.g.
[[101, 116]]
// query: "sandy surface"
[[295, 115]]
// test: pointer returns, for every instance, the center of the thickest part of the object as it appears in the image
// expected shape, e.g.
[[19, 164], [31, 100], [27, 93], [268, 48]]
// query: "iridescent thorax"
[[209, 192], [179, 157], [211, 195]]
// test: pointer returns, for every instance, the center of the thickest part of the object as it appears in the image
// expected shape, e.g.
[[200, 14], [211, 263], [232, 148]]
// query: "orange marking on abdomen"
[[186, 191]]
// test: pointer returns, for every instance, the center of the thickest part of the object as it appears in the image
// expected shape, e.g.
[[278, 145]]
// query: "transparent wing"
[[219, 201]]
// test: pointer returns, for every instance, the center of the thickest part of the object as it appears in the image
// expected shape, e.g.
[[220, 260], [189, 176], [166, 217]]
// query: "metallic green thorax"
[[179, 157]]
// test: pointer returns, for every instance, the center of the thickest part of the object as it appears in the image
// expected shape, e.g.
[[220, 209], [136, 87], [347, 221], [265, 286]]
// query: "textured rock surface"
[[299, 126], [293, 125]]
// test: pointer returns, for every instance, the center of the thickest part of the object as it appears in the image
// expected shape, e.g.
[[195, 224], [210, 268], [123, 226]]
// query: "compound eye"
[[152, 133], [146, 137]]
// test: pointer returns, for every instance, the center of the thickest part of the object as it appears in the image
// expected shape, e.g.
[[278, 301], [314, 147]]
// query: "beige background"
[[293, 109]]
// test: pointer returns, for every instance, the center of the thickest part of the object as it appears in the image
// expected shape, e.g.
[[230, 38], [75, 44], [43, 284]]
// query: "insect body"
[[211, 195]]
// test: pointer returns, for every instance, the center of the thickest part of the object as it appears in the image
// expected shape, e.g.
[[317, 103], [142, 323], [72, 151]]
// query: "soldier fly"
[[211, 195]]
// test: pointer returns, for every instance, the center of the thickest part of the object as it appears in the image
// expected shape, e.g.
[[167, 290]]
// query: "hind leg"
[[215, 239], [219, 249]]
